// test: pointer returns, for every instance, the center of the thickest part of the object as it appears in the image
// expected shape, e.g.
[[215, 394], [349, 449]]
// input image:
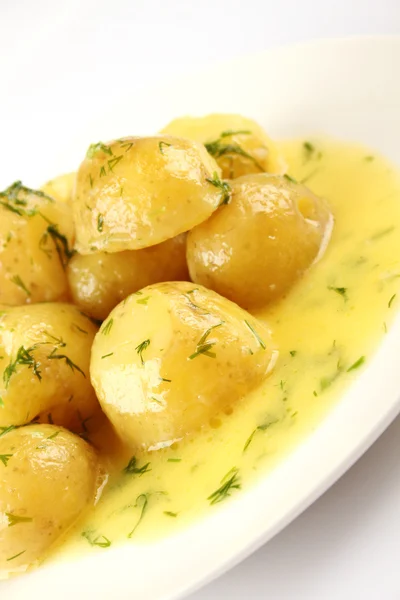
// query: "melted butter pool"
[[326, 330]]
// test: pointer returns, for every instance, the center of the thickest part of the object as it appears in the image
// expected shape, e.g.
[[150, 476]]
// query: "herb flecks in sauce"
[[305, 322]]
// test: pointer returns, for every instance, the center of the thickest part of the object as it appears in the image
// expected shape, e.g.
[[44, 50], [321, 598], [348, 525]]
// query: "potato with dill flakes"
[[137, 192], [239, 145], [48, 476], [255, 247], [44, 366], [36, 239], [60, 188], [99, 281], [165, 367]]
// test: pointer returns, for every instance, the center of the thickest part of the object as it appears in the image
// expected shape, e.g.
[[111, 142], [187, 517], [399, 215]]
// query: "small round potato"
[[99, 281], [36, 237], [60, 188], [48, 476], [137, 192], [255, 248], [239, 145], [165, 367], [44, 366]]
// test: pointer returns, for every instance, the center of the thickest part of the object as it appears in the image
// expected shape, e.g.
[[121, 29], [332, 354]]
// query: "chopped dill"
[[262, 427], [100, 222], [290, 178], [141, 502], [357, 364], [101, 540], [18, 281], [223, 186], [161, 144], [342, 291], [94, 148], [132, 468], [391, 300], [15, 519], [16, 555], [106, 328], [24, 358], [140, 348], [256, 335], [113, 162], [4, 458], [230, 482], [68, 361]]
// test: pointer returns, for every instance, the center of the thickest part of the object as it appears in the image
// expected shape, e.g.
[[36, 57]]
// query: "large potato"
[[138, 192], [44, 365], [99, 281], [60, 188], [36, 237], [254, 248], [164, 367], [239, 145], [47, 478]]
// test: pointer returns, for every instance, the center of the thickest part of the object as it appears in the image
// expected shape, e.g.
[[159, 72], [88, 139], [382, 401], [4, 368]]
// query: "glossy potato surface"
[[44, 365], [99, 281], [36, 238], [138, 192], [255, 248], [47, 477], [60, 188], [239, 145], [167, 361]]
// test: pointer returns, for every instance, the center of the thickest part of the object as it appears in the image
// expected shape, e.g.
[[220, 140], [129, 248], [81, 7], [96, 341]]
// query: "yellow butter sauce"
[[326, 329]]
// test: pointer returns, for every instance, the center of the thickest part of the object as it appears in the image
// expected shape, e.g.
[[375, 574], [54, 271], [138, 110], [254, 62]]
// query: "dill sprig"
[[140, 348], [132, 468], [204, 347], [230, 482], [223, 186]]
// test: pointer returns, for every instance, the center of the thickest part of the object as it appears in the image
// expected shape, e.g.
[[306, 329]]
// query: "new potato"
[[60, 188], [44, 365], [48, 476], [36, 238], [253, 249], [99, 281], [137, 192], [163, 367], [239, 145]]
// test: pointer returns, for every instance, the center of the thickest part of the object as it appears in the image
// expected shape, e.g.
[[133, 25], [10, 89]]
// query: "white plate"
[[347, 88]]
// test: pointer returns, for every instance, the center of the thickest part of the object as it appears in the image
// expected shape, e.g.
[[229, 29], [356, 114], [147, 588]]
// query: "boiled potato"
[[99, 281], [47, 478], [137, 192], [254, 248], [44, 365], [60, 188], [239, 145], [168, 360], [36, 237]]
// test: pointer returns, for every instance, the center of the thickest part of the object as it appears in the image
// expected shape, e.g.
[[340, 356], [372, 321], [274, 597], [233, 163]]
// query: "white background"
[[60, 63]]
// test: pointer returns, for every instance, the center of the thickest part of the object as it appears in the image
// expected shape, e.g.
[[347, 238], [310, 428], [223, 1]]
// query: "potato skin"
[[162, 369], [137, 192], [60, 188], [99, 281], [36, 239], [239, 145], [256, 247], [48, 476], [44, 369]]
